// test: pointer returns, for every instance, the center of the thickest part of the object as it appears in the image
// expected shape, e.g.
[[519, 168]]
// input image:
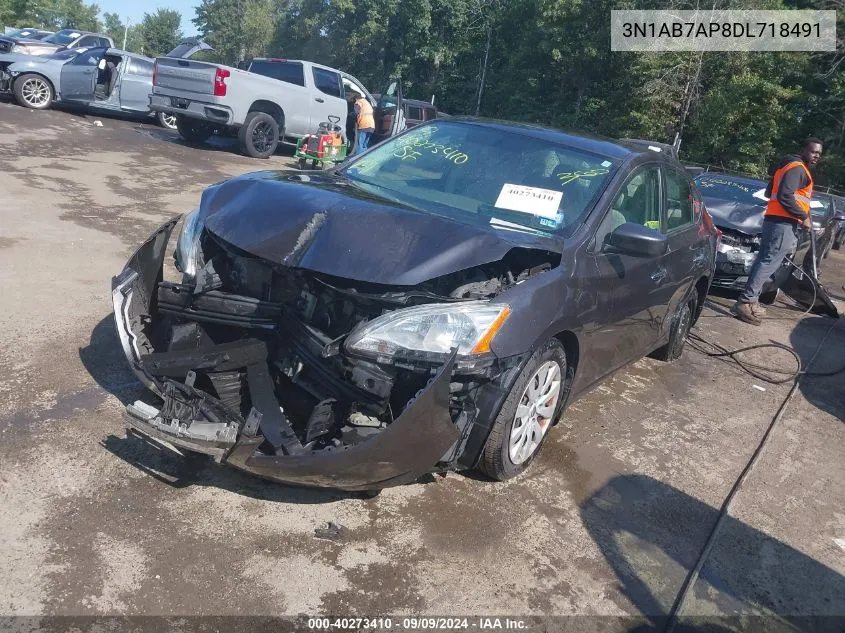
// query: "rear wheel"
[[681, 324], [192, 130], [531, 408], [167, 121], [259, 135], [34, 91]]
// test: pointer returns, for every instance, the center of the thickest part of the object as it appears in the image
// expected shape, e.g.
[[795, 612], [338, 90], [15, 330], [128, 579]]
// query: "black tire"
[[34, 91], [167, 121], [193, 131], [768, 297], [681, 324], [259, 135], [496, 460]]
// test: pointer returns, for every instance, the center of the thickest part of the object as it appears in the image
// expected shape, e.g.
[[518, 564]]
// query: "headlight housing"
[[187, 247], [429, 332], [20, 48]]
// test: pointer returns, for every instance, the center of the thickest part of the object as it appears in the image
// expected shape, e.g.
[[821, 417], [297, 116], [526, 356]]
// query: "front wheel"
[[531, 408], [681, 324], [259, 135], [192, 130], [34, 91], [165, 120]]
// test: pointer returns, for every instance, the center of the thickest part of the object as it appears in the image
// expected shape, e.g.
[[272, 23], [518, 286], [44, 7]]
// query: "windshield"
[[730, 189], [484, 175], [62, 37]]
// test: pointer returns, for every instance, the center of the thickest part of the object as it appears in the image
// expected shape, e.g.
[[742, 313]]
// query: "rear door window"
[[289, 72], [328, 82], [415, 113], [679, 201]]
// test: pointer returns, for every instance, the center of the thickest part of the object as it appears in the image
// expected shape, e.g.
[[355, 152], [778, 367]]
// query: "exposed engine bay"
[[329, 397]]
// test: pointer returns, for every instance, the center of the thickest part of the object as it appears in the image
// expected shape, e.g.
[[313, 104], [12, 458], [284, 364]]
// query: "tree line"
[[548, 61]]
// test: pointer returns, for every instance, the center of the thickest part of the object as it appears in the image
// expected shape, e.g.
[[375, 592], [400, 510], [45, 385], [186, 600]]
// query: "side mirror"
[[637, 240]]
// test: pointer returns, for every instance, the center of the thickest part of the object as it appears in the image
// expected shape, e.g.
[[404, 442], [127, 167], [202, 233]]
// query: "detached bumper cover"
[[408, 448]]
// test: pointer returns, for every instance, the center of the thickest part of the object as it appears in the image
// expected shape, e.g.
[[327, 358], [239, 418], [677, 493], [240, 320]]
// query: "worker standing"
[[790, 192], [365, 123]]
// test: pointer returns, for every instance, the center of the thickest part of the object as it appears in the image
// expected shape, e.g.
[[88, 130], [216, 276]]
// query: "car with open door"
[[102, 79], [425, 307]]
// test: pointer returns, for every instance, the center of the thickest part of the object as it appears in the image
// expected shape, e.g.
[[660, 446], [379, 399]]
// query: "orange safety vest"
[[803, 196], [365, 115]]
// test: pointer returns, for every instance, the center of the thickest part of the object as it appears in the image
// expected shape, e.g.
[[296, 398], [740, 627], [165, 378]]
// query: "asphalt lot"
[[607, 522]]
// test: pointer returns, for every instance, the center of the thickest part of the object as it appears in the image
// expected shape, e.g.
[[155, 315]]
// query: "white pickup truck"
[[267, 100]]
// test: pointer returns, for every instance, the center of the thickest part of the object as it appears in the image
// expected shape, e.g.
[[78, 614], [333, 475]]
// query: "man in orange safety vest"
[[365, 123], [790, 193]]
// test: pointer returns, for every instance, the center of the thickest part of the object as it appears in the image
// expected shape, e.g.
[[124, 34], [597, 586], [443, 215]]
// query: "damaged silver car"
[[429, 306]]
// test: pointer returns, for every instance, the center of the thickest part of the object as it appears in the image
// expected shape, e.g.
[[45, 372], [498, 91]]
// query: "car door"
[[136, 83], [687, 259], [327, 97], [389, 113], [640, 286], [78, 77]]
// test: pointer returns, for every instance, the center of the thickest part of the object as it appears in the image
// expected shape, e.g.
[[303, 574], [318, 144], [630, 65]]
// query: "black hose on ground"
[[752, 368]]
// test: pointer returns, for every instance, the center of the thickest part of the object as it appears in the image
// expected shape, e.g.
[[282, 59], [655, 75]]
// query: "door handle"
[[319, 99], [659, 275]]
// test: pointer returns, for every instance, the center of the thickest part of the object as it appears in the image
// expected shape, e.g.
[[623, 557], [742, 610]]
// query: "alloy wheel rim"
[[261, 137], [683, 325], [169, 120], [35, 92], [534, 412]]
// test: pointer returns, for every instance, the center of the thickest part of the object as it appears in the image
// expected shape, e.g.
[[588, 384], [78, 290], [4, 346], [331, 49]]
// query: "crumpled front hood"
[[730, 214], [323, 223]]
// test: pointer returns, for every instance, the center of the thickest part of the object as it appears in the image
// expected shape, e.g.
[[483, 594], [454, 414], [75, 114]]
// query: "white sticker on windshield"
[[606, 163], [540, 202], [815, 204], [75, 35], [760, 194], [654, 149]]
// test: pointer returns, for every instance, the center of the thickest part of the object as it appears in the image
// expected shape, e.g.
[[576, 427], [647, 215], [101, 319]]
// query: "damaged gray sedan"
[[432, 305]]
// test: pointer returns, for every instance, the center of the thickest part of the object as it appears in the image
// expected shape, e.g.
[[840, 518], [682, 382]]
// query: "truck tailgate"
[[185, 76]]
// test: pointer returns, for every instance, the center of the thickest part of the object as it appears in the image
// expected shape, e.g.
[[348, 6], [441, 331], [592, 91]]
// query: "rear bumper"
[[210, 112], [407, 448]]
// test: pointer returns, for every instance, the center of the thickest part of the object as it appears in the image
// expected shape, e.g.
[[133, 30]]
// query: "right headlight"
[[430, 331], [187, 247], [20, 48]]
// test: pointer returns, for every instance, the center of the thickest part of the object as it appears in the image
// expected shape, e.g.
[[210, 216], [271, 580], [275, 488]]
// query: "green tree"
[[161, 31], [237, 29], [114, 27]]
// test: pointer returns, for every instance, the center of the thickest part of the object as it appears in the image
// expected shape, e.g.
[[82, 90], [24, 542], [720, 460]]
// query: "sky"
[[135, 10]]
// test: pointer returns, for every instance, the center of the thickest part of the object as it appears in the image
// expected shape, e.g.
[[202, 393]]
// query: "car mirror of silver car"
[[637, 240]]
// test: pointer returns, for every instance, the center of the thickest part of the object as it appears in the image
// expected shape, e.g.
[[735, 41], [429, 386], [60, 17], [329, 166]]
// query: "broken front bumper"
[[409, 447]]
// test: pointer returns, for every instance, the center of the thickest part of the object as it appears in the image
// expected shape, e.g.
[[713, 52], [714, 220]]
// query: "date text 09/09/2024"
[[418, 624], [770, 30]]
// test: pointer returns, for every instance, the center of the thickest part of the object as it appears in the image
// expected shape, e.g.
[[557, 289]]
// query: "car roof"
[[741, 179], [595, 144]]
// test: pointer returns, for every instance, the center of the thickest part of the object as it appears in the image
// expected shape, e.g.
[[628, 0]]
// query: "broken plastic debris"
[[97, 123], [840, 542], [331, 532], [759, 388]]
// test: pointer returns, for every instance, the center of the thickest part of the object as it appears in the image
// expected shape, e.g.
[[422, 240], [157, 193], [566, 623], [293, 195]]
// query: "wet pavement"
[[608, 521]]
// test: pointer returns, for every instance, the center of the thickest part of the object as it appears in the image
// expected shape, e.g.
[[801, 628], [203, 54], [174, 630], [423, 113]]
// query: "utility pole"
[[126, 31]]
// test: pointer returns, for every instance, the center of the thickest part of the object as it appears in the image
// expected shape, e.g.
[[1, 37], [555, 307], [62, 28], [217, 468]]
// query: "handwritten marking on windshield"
[[712, 182], [568, 176], [450, 153]]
